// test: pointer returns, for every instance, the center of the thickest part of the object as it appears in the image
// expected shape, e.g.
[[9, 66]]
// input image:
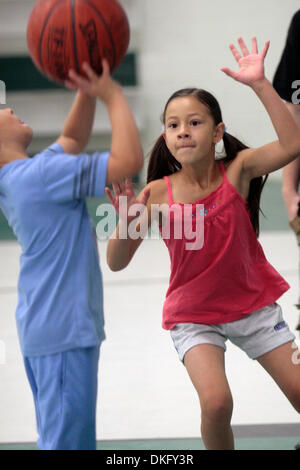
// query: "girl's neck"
[[203, 174]]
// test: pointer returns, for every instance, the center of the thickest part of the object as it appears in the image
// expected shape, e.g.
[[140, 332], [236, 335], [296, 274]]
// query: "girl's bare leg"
[[283, 364], [206, 367]]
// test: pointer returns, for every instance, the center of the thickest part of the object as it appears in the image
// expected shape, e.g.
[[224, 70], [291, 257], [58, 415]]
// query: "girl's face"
[[190, 131]]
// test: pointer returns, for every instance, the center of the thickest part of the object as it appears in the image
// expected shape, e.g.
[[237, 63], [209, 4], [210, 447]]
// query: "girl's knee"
[[217, 408]]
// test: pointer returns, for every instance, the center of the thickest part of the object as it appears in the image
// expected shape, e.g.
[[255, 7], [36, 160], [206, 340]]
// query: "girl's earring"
[[220, 151]]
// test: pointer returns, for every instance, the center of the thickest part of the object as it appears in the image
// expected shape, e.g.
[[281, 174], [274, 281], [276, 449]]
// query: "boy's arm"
[[126, 156], [78, 125]]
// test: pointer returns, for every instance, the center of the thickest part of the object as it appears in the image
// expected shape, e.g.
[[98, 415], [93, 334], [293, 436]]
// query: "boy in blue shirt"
[[60, 302]]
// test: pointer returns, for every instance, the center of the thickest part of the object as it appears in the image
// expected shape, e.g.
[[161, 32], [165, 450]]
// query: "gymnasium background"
[[144, 391]]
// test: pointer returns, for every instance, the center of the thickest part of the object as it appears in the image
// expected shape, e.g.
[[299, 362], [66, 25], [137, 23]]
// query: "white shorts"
[[256, 334]]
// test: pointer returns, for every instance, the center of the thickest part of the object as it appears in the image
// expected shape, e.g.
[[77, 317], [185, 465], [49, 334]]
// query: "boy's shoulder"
[[53, 149], [54, 160]]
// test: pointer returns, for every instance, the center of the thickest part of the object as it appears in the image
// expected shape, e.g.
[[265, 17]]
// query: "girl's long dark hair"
[[162, 163]]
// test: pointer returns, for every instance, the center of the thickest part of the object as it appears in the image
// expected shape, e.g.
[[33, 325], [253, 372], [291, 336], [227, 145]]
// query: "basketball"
[[62, 34]]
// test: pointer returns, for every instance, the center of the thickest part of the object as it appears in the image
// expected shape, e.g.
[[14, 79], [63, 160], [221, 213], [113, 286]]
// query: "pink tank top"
[[226, 279]]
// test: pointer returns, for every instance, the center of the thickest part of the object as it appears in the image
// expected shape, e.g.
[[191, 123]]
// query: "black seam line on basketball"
[[107, 30], [43, 30], [74, 36]]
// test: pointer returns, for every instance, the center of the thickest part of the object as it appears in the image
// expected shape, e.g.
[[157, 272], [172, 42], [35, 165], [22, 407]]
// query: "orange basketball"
[[62, 34]]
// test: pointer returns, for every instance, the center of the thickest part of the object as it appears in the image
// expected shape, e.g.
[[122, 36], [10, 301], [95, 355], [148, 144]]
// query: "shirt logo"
[[280, 325]]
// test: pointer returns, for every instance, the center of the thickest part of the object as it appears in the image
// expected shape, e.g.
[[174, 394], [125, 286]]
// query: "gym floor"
[[146, 400]]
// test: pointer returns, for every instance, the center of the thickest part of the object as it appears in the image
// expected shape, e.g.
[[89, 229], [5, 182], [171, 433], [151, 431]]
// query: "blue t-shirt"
[[60, 298]]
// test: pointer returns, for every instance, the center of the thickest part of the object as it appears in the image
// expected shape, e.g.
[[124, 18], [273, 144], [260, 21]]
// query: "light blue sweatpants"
[[64, 388]]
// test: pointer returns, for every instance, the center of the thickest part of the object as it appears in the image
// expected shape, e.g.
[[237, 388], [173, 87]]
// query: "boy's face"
[[12, 129]]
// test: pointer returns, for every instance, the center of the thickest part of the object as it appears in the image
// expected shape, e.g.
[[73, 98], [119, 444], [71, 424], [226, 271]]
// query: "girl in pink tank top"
[[221, 284]]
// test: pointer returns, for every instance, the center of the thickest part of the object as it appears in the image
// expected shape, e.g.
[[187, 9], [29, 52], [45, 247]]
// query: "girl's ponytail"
[[232, 146]]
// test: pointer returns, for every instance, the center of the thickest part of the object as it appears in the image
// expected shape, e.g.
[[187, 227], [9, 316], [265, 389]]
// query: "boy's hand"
[[103, 86]]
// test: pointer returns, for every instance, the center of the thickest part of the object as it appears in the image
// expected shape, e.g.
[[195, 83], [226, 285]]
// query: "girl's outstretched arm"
[[291, 174], [275, 155]]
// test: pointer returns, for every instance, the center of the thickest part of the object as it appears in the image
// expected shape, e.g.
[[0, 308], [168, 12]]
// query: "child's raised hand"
[[251, 65], [102, 86], [126, 190]]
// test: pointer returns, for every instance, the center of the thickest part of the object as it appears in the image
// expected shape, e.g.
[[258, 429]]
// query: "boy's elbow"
[[136, 164], [121, 166]]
